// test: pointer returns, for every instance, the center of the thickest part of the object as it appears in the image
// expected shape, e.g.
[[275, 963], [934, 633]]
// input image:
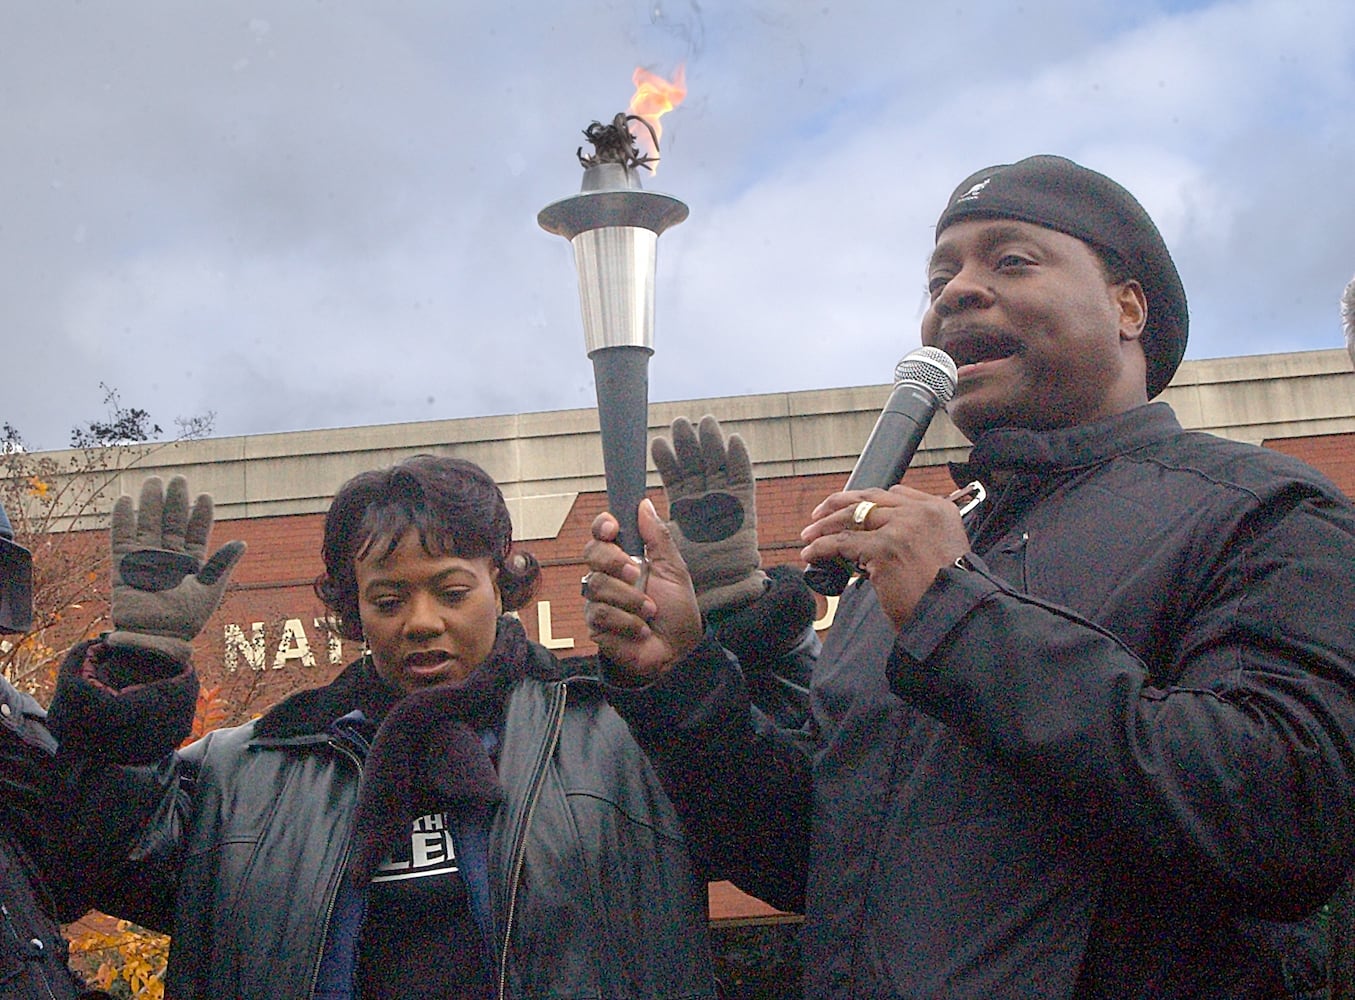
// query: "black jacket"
[[37, 890], [1105, 750], [63, 818], [593, 893]]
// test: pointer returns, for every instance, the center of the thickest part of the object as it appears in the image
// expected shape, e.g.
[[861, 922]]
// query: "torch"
[[614, 226]]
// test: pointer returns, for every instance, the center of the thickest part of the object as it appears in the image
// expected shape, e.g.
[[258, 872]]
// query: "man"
[[1089, 742], [50, 857]]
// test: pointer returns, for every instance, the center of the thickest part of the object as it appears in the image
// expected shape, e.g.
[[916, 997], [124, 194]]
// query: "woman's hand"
[[643, 622]]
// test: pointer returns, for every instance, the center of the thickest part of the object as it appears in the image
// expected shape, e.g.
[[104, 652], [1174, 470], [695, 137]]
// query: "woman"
[[453, 816]]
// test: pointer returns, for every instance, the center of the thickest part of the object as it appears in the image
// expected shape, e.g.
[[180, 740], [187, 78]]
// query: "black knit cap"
[[1057, 193]]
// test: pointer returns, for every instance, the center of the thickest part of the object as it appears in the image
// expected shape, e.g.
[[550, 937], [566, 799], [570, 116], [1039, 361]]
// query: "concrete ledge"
[[544, 460]]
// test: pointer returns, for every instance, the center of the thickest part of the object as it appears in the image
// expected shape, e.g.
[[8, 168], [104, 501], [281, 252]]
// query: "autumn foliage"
[[123, 959]]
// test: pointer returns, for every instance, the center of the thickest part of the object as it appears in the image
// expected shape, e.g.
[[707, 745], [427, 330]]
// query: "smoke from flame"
[[654, 97], [1348, 317]]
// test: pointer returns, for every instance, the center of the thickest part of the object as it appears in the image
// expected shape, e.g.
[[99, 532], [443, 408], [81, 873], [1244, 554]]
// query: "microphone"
[[924, 381]]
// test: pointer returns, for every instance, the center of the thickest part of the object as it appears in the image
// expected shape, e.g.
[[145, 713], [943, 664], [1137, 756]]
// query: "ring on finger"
[[860, 513], [583, 584]]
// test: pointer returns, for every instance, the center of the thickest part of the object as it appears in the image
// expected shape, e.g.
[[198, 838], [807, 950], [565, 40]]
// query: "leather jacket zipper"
[[555, 715], [346, 751]]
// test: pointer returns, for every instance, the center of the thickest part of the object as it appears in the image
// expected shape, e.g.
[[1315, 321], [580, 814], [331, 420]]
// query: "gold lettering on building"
[[333, 643], [252, 649], [293, 645], [290, 644], [544, 630]]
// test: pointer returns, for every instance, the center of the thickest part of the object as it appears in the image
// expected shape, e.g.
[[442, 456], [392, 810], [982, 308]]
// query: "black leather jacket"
[[593, 894]]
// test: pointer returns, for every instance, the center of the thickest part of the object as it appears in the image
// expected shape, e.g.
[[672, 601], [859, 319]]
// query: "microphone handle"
[[893, 442], [829, 579]]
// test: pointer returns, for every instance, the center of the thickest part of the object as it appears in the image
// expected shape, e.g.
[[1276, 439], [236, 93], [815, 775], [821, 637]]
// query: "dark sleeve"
[[122, 704], [119, 830], [773, 639], [74, 818], [1240, 771], [119, 790], [740, 783]]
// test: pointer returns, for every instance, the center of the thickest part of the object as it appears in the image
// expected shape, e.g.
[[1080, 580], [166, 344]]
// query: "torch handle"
[[621, 375]]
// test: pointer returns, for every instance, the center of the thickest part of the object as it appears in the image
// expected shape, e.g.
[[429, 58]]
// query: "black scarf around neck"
[[427, 754]]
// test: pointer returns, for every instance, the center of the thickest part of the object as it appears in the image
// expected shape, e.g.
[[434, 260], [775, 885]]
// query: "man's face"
[[1040, 337]]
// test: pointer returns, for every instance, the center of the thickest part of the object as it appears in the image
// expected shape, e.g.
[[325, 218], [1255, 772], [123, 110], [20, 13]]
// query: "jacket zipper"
[[345, 751], [555, 715]]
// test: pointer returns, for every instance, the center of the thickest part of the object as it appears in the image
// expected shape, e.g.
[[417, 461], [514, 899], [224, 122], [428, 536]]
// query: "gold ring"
[[862, 512]]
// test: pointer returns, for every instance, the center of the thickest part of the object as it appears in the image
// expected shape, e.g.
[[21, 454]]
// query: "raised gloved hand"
[[163, 593], [713, 507]]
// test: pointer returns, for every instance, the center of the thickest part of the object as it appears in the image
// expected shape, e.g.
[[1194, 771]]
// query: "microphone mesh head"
[[930, 367]]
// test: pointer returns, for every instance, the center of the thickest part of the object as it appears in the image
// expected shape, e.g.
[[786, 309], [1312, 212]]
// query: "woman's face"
[[427, 619]]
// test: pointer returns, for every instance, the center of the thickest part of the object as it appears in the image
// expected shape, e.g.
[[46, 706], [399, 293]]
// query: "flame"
[[654, 97]]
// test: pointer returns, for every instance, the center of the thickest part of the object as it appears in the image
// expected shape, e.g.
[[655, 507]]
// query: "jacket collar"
[[311, 712], [1016, 449]]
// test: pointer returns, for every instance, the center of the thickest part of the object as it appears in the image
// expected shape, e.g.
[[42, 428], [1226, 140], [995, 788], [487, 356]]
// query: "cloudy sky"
[[303, 214]]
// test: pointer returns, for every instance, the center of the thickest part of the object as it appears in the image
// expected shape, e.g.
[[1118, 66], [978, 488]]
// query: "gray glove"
[[713, 505], [162, 593]]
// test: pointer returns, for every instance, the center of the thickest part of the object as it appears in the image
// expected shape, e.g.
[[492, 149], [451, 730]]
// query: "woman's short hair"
[[454, 505]]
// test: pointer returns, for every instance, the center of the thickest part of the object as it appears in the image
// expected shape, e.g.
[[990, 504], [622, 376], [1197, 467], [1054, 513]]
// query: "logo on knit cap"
[[973, 192]]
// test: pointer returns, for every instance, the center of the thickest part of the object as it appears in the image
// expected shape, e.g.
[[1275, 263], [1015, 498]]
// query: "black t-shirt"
[[419, 939]]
